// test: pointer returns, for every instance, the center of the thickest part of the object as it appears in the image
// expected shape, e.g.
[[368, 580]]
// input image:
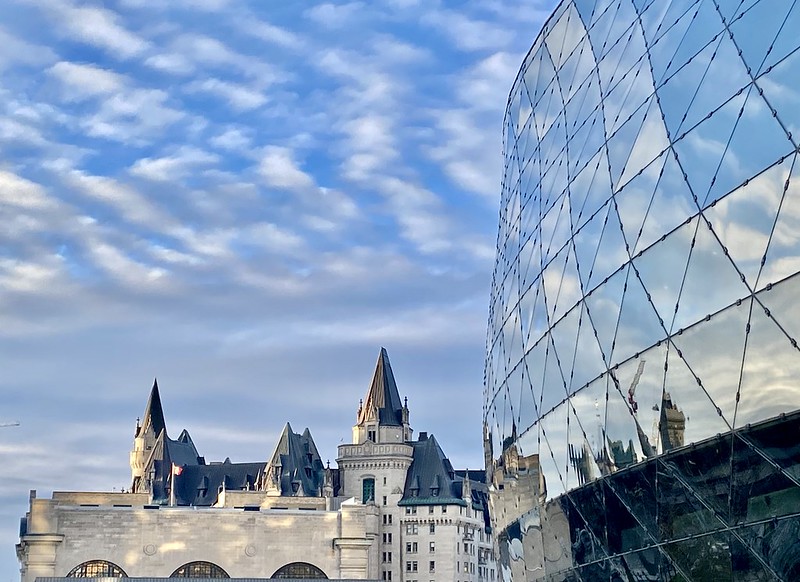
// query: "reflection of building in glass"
[[642, 365]]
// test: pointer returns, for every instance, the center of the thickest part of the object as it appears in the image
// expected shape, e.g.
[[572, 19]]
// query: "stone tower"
[[373, 468], [144, 439]]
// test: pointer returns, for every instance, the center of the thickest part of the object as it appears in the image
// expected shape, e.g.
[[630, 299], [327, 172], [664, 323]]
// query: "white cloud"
[[174, 167], [469, 34], [370, 146], [94, 26], [29, 277], [14, 50], [133, 115], [82, 80], [209, 53], [233, 139], [131, 205], [334, 15], [22, 193], [279, 169], [240, 97], [271, 237], [116, 263], [420, 214], [173, 63], [270, 33]]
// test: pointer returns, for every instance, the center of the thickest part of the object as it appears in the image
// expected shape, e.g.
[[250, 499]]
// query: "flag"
[[176, 469]]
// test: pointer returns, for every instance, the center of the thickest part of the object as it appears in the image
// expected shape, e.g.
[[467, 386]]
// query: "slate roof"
[[431, 479], [296, 464], [153, 413], [383, 395], [200, 485], [431, 470], [183, 451]]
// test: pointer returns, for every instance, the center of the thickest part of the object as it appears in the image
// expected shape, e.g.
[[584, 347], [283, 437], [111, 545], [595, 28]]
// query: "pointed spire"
[[383, 396], [153, 413]]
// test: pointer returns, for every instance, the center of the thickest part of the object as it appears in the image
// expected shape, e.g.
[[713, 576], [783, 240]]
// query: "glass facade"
[[642, 366]]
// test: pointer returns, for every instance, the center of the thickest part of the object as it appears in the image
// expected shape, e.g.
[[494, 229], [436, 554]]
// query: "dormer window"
[[435, 487], [202, 488], [371, 435], [415, 487]]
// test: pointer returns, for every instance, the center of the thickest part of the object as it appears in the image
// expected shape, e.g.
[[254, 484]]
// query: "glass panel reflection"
[[643, 361]]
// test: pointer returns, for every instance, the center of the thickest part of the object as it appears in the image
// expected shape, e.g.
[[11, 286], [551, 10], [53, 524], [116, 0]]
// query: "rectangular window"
[[411, 566], [371, 436], [384, 499], [430, 509], [387, 574], [411, 547], [444, 509], [432, 566], [432, 547], [411, 529], [368, 490], [387, 557], [387, 538], [433, 528]]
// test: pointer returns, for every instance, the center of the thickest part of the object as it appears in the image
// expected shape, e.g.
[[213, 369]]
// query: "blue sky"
[[247, 200]]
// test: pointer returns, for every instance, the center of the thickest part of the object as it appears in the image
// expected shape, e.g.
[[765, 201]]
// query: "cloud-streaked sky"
[[247, 200]]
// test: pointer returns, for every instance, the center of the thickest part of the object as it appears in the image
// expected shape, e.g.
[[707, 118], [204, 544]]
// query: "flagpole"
[[172, 485]]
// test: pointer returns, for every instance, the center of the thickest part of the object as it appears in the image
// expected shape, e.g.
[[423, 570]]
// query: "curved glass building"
[[643, 371]]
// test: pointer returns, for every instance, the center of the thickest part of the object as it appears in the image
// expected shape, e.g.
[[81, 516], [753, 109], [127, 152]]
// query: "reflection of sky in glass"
[[650, 212]]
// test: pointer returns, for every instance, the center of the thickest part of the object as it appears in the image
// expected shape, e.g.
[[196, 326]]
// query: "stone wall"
[[154, 541]]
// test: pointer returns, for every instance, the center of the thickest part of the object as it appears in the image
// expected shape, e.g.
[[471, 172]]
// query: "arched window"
[[367, 490], [299, 570], [199, 570], [97, 569]]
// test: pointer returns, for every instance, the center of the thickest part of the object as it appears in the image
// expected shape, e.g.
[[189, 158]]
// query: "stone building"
[[393, 509]]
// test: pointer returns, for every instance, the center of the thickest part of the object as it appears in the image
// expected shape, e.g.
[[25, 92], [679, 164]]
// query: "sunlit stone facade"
[[643, 373]]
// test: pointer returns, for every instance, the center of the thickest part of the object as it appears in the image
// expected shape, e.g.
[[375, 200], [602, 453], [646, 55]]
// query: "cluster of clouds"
[[246, 200]]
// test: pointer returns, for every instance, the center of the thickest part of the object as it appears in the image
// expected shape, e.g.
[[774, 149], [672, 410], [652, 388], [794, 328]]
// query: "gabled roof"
[[153, 413], [383, 396], [430, 479]]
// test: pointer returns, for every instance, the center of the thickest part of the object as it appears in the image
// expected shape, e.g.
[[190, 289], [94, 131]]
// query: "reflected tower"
[[641, 386]]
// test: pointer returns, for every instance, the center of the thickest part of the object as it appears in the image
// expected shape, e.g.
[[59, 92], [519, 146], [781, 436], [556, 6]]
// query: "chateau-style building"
[[393, 509]]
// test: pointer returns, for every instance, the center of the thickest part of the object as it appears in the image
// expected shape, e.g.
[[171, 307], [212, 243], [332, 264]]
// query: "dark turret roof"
[[383, 395], [296, 464], [431, 479], [153, 413]]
